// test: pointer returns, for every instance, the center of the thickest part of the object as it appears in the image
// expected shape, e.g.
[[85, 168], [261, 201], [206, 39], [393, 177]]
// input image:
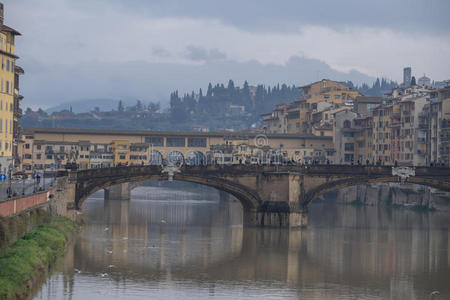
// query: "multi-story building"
[[8, 109], [328, 91], [344, 137], [443, 120], [276, 121], [412, 140], [121, 149], [138, 153], [300, 115], [364, 139], [17, 113]]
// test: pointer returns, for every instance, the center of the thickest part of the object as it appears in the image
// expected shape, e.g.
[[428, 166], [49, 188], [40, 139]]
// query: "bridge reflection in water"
[[165, 245]]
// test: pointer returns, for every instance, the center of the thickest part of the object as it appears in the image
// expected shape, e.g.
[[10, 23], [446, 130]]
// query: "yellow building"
[[139, 154], [328, 91], [7, 92], [121, 152]]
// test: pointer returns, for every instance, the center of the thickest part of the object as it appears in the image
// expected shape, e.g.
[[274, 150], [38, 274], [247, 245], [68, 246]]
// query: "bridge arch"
[[249, 199]]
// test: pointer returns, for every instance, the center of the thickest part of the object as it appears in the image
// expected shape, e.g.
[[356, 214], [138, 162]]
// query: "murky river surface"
[[167, 244]]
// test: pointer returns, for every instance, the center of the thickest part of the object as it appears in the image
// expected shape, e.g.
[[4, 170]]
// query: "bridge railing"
[[133, 171]]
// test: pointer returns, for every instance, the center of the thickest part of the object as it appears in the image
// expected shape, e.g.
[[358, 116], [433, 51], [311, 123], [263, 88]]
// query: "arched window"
[[347, 124]]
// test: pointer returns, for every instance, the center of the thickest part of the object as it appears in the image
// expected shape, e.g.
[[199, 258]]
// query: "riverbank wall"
[[28, 260], [393, 195]]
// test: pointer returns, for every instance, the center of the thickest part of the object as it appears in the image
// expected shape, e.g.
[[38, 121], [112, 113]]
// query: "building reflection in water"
[[163, 243]]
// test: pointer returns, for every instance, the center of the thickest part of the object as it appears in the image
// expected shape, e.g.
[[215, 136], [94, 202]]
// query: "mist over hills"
[[104, 84]]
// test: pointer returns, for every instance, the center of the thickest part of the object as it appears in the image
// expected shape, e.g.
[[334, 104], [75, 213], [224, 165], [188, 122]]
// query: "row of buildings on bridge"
[[410, 126], [50, 149]]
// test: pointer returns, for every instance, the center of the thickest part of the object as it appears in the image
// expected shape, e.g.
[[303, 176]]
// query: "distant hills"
[[153, 82], [83, 106]]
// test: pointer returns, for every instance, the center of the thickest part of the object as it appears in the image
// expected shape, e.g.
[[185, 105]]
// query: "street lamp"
[[9, 192]]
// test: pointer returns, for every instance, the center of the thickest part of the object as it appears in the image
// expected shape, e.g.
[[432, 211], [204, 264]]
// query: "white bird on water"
[[434, 294]]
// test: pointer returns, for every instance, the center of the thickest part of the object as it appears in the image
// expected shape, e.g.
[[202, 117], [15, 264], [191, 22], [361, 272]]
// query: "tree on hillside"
[[120, 107]]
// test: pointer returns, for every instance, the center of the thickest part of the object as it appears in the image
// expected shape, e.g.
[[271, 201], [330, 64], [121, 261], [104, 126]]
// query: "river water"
[[169, 244]]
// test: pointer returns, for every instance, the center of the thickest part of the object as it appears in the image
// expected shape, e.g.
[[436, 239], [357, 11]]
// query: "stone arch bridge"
[[270, 195]]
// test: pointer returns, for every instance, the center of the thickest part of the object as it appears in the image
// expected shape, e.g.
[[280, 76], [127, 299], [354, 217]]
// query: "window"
[[38, 156], [6, 145], [349, 146], [10, 107], [27, 146], [122, 156], [348, 134], [1, 123], [38, 147], [49, 156], [154, 141], [61, 148], [7, 65], [7, 87], [10, 126], [175, 142], [28, 156], [348, 157], [347, 124], [196, 142]]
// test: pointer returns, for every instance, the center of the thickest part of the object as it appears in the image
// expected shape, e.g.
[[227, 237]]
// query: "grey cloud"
[[286, 15], [161, 52], [197, 53]]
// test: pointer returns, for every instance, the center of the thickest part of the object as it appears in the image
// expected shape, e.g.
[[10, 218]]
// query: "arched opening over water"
[[156, 158], [195, 158], [175, 158]]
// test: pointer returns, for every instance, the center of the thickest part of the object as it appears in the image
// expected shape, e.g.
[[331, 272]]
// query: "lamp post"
[[9, 181], [33, 174], [23, 184]]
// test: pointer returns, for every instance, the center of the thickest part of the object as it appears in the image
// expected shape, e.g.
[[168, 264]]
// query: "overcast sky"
[[81, 49]]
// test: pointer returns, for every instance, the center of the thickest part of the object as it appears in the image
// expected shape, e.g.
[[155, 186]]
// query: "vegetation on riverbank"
[[11, 229], [30, 258]]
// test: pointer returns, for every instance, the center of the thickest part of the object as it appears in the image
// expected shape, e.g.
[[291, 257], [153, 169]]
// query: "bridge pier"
[[281, 214], [118, 192]]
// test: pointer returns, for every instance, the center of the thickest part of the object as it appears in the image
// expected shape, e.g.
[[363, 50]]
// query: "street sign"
[[3, 177]]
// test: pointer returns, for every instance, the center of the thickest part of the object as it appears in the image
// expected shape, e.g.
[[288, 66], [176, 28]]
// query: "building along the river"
[[9, 95]]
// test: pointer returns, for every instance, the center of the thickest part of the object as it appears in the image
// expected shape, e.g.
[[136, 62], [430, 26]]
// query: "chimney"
[[1, 13]]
